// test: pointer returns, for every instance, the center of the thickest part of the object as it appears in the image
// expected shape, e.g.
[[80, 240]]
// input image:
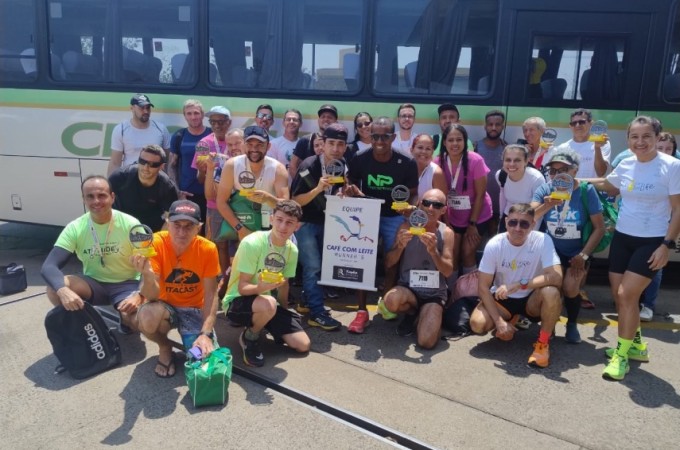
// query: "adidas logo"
[[96, 345]]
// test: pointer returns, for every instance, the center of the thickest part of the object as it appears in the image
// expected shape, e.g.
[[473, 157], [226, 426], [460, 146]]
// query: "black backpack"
[[82, 342]]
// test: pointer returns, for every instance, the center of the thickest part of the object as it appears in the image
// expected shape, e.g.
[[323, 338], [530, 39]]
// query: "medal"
[[141, 238], [417, 220], [400, 195]]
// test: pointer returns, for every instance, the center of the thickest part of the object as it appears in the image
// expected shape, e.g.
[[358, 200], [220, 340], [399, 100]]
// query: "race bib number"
[[459, 202], [424, 279], [565, 231]]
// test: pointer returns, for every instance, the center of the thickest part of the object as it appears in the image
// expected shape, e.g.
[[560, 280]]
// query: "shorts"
[[284, 322], [188, 321], [423, 298], [631, 253], [213, 225], [389, 225], [482, 228], [516, 306], [564, 261], [110, 293]]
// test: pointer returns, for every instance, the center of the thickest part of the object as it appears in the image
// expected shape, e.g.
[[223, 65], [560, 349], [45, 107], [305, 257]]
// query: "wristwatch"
[[238, 226], [670, 244], [524, 283], [210, 334], [473, 222], [584, 256]]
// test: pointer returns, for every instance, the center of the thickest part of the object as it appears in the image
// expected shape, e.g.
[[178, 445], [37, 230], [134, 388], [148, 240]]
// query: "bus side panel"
[[40, 190]]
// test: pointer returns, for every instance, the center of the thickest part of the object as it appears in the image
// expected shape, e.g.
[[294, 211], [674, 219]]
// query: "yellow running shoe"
[[541, 355]]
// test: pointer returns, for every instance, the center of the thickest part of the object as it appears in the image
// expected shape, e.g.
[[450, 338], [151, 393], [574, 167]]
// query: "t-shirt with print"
[[219, 148], [110, 262], [521, 191], [250, 256], [510, 263], [376, 179], [460, 211], [187, 175], [645, 187], [586, 150], [565, 223], [282, 150], [181, 279]]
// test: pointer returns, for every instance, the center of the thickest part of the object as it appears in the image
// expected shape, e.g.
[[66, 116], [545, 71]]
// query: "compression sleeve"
[[51, 268]]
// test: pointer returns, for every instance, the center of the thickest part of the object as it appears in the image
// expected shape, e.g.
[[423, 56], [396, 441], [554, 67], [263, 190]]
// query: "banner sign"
[[350, 243]]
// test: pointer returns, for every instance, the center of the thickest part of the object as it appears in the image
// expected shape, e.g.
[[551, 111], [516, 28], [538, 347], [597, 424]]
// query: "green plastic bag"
[[610, 215], [208, 379], [246, 213]]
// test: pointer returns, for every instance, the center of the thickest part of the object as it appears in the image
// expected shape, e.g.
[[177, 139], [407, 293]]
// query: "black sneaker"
[[252, 355], [407, 325], [325, 321]]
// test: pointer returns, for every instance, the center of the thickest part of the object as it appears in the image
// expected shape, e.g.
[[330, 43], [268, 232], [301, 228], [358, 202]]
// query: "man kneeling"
[[426, 262], [249, 302], [526, 275]]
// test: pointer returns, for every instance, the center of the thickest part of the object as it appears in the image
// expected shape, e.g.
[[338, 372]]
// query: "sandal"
[[167, 368]]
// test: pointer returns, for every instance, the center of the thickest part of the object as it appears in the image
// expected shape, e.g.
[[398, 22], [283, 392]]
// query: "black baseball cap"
[[329, 108], [184, 210], [255, 132], [336, 131], [141, 100]]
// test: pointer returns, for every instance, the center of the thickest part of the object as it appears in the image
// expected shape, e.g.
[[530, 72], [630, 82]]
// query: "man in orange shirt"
[[185, 283]]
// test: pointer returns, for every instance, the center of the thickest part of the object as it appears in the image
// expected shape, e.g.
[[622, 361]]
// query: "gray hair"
[[236, 131], [539, 122]]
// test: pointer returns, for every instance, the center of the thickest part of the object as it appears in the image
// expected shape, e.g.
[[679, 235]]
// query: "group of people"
[[262, 203]]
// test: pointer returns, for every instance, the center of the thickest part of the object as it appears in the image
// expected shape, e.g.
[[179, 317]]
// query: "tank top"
[[416, 257]]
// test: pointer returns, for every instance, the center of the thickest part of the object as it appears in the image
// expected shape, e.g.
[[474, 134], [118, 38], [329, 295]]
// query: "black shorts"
[[631, 253], [564, 261], [284, 322], [482, 228], [109, 293], [423, 298], [516, 306]]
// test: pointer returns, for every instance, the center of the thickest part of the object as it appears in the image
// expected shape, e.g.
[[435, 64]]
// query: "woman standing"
[[648, 224], [469, 205], [518, 182], [362, 135], [430, 175]]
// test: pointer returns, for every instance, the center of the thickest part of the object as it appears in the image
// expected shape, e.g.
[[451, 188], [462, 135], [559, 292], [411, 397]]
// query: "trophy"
[[548, 137], [562, 185], [597, 131], [336, 171], [202, 151], [141, 238], [400, 196], [273, 266], [417, 220], [247, 181]]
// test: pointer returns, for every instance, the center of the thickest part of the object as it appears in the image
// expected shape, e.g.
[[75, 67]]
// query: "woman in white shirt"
[[430, 175]]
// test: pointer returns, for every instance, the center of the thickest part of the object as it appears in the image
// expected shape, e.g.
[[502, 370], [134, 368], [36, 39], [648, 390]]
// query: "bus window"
[[17, 37], [671, 81], [577, 68], [435, 47], [286, 44]]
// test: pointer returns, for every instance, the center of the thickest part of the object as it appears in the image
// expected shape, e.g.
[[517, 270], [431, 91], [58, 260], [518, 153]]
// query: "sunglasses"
[[578, 122], [523, 224], [218, 122], [552, 171], [382, 137], [363, 124], [264, 116], [154, 165], [435, 204]]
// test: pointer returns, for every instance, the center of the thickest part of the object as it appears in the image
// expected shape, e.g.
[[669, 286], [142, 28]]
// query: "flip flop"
[[167, 368]]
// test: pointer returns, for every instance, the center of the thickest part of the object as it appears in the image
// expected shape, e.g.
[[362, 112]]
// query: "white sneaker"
[[646, 314]]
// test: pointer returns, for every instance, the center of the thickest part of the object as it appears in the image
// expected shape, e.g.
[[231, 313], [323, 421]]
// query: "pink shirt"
[[476, 169], [215, 147]]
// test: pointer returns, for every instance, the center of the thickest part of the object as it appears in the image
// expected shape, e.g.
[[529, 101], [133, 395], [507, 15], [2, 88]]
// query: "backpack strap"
[[502, 178], [584, 197]]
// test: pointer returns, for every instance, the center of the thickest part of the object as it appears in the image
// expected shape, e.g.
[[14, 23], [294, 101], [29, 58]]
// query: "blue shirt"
[[188, 182]]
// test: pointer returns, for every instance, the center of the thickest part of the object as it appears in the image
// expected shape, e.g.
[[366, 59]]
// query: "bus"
[[69, 67]]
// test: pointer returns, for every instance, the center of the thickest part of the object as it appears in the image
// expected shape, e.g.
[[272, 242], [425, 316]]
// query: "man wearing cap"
[[328, 114], [309, 189], [100, 240], [129, 137], [375, 173], [264, 116], [283, 146], [182, 289], [143, 190], [269, 176]]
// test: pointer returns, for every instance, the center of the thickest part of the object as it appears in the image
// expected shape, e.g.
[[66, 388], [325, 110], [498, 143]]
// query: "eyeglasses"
[[291, 119], [363, 124], [382, 137], [407, 116], [552, 171], [581, 122], [430, 203], [218, 122], [154, 165], [264, 116], [523, 224]]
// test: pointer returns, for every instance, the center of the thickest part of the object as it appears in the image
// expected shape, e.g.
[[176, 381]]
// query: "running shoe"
[[252, 356], [572, 336], [522, 323], [635, 352], [384, 312], [325, 322], [541, 355], [359, 323], [586, 303], [617, 368], [646, 314], [407, 326]]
